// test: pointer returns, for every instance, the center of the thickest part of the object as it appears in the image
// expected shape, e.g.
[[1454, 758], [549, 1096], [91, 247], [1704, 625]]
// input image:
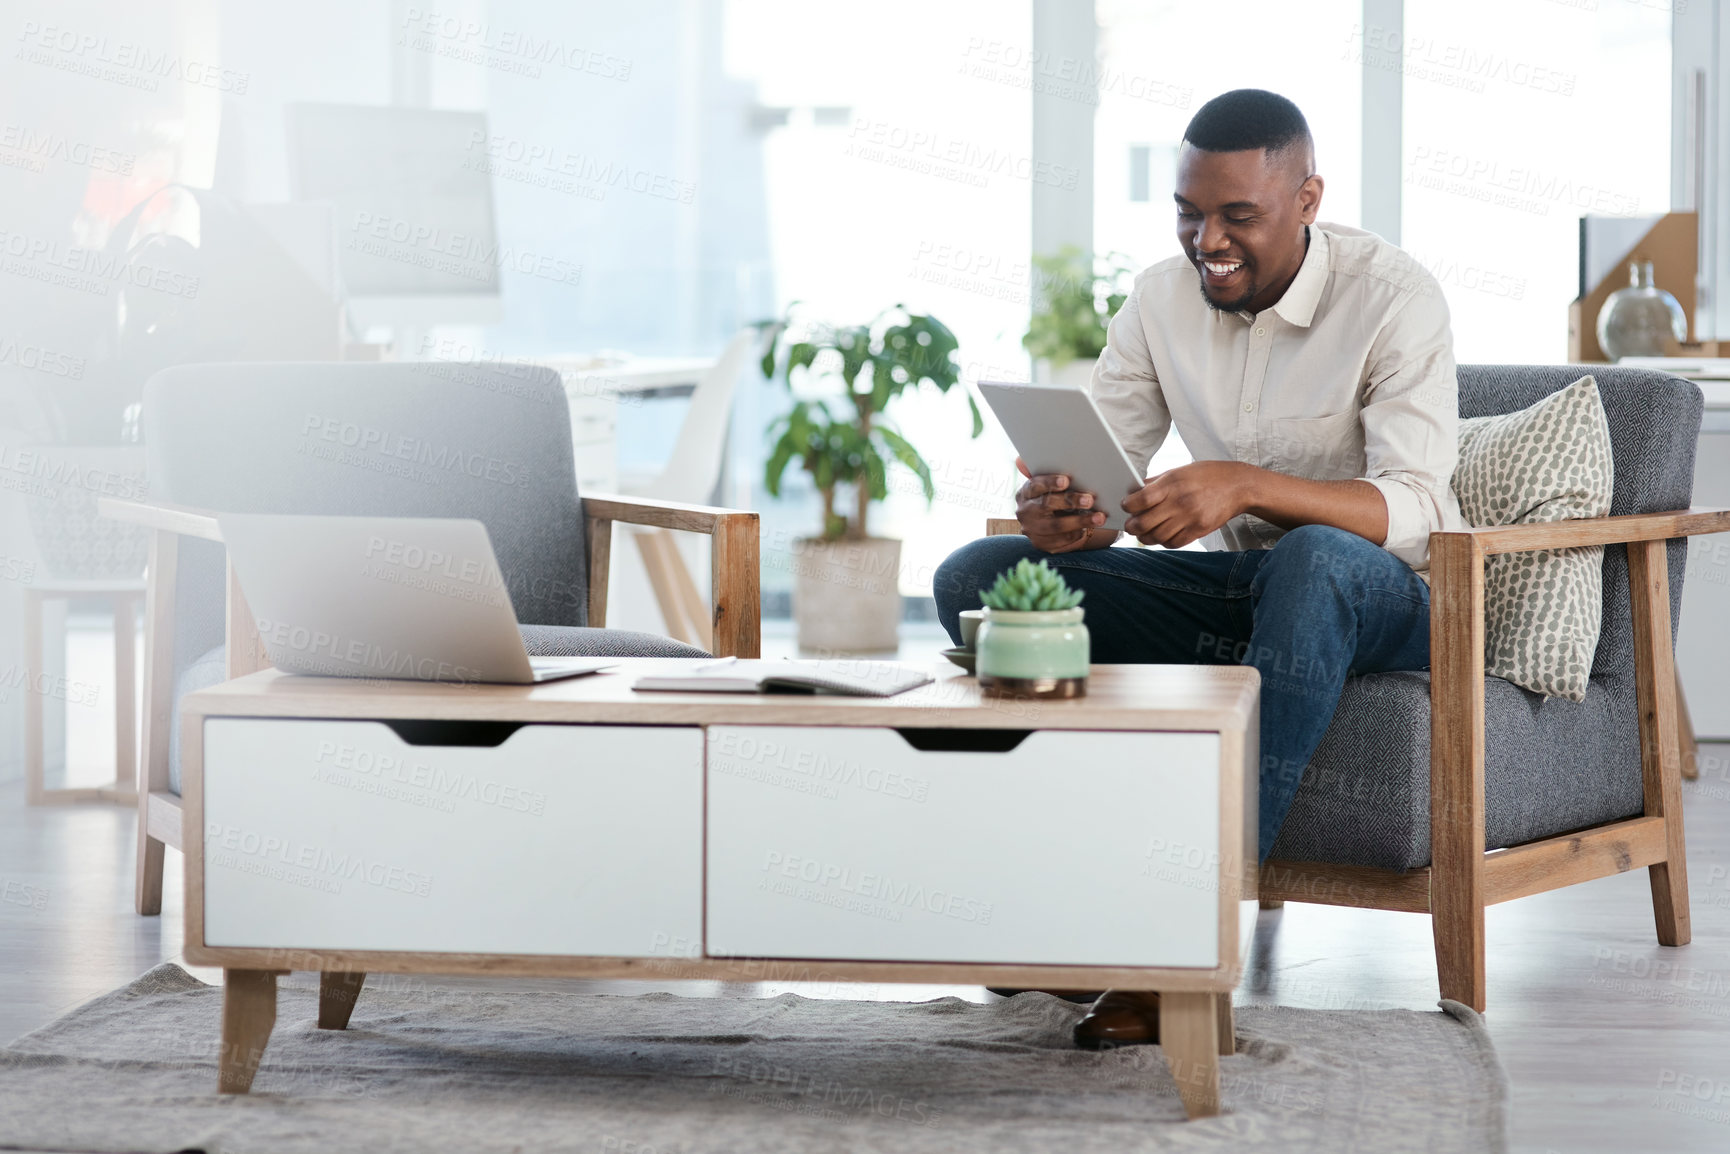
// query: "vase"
[[847, 595], [1642, 319], [1033, 654]]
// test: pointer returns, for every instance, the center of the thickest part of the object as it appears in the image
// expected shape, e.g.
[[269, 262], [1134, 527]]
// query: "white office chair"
[[690, 475]]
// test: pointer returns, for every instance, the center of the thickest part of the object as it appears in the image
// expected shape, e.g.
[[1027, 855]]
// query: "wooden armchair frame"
[[735, 623], [1463, 877]]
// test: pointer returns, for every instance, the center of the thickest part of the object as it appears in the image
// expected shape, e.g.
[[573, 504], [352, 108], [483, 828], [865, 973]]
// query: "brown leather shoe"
[[1120, 1018]]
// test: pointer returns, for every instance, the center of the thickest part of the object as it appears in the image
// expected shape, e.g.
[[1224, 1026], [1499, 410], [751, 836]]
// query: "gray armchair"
[[486, 441], [1446, 791]]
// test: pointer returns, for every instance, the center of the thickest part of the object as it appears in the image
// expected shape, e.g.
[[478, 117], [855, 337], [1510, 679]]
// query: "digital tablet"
[[1060, 430]]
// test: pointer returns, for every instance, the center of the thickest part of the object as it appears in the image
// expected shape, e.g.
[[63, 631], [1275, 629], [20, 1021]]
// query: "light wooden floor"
[[1612, 1043]]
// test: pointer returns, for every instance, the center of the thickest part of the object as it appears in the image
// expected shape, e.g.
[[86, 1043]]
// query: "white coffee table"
[[580, 829]]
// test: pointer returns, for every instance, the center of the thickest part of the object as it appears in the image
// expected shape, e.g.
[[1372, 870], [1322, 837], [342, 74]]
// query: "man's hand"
[[1187, 503], [1056, 518]]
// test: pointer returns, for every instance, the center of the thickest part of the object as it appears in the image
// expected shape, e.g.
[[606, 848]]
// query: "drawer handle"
[[486, 734], [964, 740]]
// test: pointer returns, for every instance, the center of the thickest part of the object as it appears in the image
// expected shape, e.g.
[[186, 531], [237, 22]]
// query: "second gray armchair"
[[490, 442]]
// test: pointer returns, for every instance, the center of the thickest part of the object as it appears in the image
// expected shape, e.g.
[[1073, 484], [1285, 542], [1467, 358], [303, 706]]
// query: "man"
[[1312, 377]]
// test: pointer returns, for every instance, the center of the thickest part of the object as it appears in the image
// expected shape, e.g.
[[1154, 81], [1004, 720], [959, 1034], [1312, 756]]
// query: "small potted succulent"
[[1032, 642]]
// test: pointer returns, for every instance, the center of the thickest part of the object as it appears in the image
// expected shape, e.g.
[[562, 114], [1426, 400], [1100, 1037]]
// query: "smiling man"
[[1309, 369]]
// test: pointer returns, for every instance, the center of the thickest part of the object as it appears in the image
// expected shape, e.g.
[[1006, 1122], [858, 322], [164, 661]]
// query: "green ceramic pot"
[[1034, 654]]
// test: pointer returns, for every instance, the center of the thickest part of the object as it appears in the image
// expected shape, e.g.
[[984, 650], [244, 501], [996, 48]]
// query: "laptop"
[[407, 598]]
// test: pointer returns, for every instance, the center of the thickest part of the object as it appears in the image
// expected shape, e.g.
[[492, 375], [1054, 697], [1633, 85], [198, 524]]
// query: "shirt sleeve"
[[1126, 387], [1411, 424]]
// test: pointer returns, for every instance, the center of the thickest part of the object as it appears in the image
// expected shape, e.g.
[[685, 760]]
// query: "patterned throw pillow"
[[1549, 462]]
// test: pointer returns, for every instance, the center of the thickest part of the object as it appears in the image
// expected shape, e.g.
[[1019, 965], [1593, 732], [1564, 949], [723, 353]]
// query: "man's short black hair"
[[1248, 118]]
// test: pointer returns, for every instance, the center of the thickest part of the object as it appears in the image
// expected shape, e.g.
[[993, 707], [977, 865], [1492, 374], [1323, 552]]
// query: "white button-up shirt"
[[1350, 375]]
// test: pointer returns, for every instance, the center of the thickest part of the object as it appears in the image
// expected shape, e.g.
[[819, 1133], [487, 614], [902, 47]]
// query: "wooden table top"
[[1138, 697]]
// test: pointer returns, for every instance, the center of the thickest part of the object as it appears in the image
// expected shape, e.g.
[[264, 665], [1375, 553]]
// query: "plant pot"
[[847, 594], [1033, 654]]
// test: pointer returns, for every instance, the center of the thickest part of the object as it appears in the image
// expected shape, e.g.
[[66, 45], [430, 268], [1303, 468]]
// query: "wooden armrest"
[[735, 608], [1002, 527], [661, 514], [1596, 531], [180, 519]]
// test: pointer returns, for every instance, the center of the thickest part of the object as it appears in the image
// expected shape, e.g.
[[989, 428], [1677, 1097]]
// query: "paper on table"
[[732, 675]]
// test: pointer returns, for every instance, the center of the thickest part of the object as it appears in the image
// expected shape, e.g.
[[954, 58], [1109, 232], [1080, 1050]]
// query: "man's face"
[[1241, 218]]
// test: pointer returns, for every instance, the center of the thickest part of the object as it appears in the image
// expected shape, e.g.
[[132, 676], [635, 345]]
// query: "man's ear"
[[1310, 198]]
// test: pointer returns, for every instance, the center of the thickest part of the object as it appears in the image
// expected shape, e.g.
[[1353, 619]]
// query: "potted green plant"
[[1032, 642], [846, 592], [1076, 296]]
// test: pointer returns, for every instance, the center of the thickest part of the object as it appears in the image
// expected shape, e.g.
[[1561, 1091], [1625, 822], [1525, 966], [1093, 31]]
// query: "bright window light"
[[1521, 116]]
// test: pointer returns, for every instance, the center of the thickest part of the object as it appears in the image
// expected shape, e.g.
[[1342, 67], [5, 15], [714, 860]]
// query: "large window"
[[1521, 116], [1161, 61], [897, 169]]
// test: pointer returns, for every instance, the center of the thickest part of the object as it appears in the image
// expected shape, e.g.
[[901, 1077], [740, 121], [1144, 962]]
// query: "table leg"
[[1189, 1033], [1227, 1025], [337, 992], [248, 1016]]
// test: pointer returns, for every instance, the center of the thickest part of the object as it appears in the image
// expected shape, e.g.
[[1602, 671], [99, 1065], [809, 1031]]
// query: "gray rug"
[[424, 1069]]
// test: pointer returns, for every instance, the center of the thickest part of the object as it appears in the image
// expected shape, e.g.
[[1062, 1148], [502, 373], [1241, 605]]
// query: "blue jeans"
[[1320, 606]]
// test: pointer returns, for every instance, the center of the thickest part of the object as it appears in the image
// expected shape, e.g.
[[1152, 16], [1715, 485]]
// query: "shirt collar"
[[1298, 305]]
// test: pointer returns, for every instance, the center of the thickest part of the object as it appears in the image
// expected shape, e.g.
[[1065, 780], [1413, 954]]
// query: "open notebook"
[[733, 675]]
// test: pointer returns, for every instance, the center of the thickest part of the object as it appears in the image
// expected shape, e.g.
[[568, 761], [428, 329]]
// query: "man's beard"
[[1236, 306]]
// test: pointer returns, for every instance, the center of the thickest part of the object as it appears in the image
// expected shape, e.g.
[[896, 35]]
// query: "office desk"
[[645, 378], [581, 829], [596, 392]]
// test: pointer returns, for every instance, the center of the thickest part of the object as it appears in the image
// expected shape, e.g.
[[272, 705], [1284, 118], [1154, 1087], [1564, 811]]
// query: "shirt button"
[[1261, 332], [1249, 408]]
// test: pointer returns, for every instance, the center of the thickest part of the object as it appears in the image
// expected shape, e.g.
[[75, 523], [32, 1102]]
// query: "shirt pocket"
[[1329, 448]]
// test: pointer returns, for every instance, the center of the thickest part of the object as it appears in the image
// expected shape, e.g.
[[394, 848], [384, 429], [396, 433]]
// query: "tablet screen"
[[1060, 430]]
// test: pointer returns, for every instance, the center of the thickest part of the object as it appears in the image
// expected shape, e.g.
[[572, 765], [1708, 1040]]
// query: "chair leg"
[[1657, 690], [1459, 934], [148, 890], [34, 703], [1685, 731], [1457, 766], [1669, 878], [125, 702], [248, 1017], [337, 994], [1670, 905]]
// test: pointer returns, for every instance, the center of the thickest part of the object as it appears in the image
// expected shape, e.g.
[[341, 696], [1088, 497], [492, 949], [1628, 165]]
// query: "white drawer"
[[1073, 848], [564, 839]]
